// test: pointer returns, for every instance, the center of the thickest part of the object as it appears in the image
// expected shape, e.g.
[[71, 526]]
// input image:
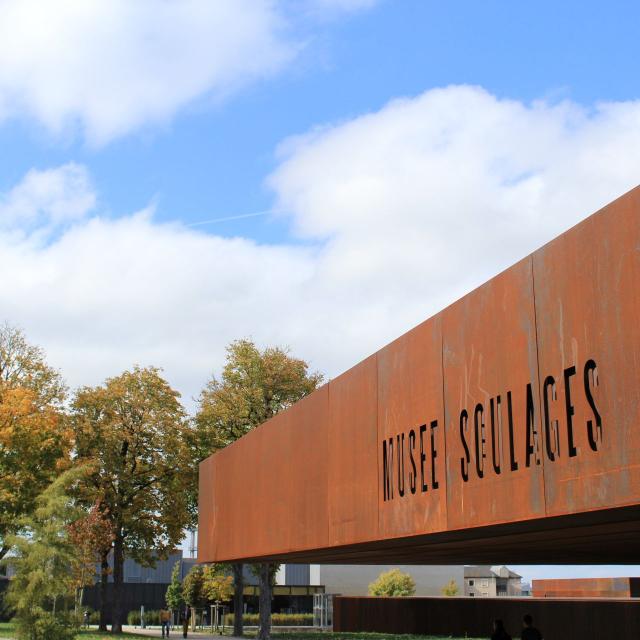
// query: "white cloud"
[[403, 211], [434, 194], [48, 198], [112, 66]]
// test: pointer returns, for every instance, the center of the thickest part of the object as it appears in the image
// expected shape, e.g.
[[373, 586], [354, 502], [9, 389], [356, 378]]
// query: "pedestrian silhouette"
[[529, 632], [165, 622], [499, 632], [184, 620]]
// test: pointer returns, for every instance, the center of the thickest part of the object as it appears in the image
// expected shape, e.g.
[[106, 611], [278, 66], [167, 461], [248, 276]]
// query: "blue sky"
[[125, 126]]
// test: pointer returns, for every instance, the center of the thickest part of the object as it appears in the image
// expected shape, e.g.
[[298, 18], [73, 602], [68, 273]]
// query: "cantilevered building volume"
[[503, 430]]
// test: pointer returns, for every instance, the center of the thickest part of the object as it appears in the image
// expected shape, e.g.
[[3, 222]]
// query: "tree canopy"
[[193, 587], [218, 584], [451, 588], [34, 436], [174, 597], [133, 432], [254, 386], [392, 583]]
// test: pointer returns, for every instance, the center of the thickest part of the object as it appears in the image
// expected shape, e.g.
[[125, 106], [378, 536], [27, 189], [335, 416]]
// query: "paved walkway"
[[154, 632]]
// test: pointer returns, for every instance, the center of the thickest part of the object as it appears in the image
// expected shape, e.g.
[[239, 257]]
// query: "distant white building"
[[486, 581]]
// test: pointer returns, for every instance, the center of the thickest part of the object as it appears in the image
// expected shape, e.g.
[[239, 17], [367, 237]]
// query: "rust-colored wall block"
[[587, 588], [557, 619]]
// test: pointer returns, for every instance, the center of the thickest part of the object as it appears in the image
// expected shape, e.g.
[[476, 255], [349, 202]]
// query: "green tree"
[[174, 598], [392, 583], [218, 583], [254, 386], [43, 585], [451, 588], [194, 591], [34, 437], [133, 432]]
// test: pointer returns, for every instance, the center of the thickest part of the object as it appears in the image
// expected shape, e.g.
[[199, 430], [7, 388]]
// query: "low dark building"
[[143, 586], [147, 586]]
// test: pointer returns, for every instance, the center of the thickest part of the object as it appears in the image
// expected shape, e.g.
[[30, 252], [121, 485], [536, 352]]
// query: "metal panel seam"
[[328, 432], [444, 420], [378, 441], [535, 324]]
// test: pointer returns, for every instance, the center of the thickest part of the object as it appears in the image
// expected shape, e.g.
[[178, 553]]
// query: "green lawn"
[[315, 635], [7, 630], [330, 635]]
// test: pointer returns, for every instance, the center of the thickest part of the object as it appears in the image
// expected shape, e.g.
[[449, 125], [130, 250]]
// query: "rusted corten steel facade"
[[504, 429], [587, 588], [558, 619]]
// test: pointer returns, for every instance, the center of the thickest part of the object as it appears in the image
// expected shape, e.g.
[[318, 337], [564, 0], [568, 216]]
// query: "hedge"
[[151, 617], [277, 619]]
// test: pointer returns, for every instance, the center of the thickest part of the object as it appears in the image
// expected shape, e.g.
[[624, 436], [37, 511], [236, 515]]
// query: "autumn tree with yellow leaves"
[[35, 440]]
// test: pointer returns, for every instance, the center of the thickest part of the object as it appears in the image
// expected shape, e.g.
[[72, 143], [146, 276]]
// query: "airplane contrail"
[[255, 214]]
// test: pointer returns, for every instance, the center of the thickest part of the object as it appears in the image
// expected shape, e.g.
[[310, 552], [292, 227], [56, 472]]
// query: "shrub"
[[44, 625], [392, 583], [450, 589], [151, 617], [133, 618], [277, 619], [292, 619]]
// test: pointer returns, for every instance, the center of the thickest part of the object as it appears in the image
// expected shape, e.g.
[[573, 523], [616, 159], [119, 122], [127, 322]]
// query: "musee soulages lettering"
[[409, 460], [417, 441]]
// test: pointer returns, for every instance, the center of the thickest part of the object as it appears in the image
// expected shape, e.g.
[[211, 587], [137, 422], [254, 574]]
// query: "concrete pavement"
[[154, 632]]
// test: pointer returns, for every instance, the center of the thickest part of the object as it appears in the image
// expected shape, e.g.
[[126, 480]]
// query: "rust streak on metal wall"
[[491, 368], [516, 405]]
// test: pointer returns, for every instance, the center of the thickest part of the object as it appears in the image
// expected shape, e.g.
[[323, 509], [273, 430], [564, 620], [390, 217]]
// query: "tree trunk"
[[118, 579], [104, 580], [264, 633], [238, 587], [77, 604]]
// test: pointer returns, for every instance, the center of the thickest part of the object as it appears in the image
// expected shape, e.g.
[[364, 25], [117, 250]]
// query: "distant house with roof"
[[485, 581]]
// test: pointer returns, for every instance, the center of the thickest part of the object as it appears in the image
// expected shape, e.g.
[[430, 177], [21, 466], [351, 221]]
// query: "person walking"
[[165, 622], [499, 632], [529, 632], [184, 620]]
